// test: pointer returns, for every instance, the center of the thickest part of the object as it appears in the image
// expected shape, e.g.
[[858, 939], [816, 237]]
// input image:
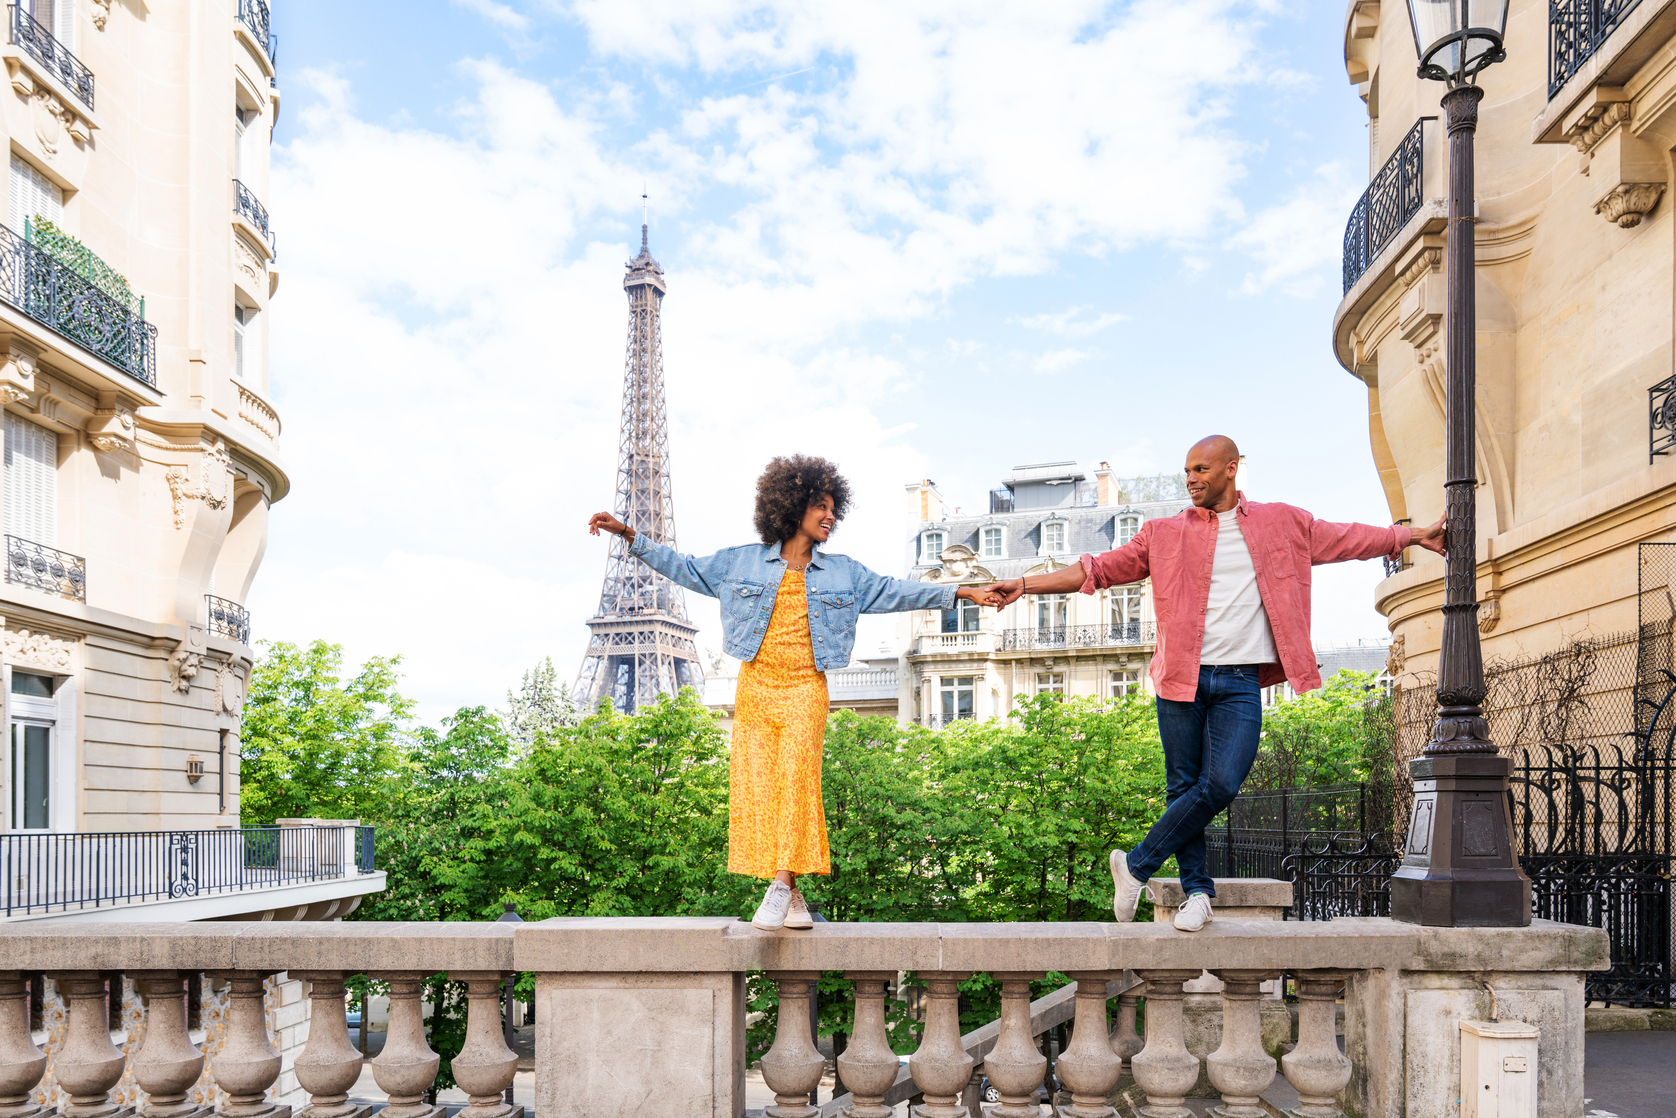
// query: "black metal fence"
[[33, 37], [1576, 29], [45, 568], [1395, 195], [55, 295], [247, 205], [61, 872], [227, 619], [1117, 634], [254, 15], [1661, 418]]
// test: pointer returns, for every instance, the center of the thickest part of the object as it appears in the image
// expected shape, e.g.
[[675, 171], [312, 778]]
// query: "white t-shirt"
[[1236, 625]]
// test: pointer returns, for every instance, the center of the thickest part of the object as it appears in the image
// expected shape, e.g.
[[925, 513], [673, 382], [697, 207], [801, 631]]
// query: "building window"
[[957, 697], [1053, 537], [931, 547], [32, 195], [963, 618], [1124, 683], [1127, 526], [242, 318], [1126, 611], [31, 481], [991, 543], [58, 17], [1050, 683], [1052, 611], [32, 716]]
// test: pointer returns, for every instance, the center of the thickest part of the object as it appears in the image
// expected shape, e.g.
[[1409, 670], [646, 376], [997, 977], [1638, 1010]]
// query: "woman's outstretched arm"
[[701, 574]]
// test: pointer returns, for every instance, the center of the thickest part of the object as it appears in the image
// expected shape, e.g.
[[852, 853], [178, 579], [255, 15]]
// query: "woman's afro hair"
[[788, 487]]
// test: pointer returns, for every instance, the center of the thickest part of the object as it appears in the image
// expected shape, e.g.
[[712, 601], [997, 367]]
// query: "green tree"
[[1322, 737], [313, 743], [540, 706]]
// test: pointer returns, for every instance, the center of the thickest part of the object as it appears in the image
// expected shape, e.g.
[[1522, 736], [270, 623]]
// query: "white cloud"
[[1070, 324], [1297, 239], [1058, 360], [502, 16]]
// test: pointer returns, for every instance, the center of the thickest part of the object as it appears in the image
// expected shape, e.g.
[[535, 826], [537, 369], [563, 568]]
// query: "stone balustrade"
[[640, 1016]]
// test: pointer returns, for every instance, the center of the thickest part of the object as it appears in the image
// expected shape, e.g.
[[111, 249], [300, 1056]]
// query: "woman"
[[789, 612]]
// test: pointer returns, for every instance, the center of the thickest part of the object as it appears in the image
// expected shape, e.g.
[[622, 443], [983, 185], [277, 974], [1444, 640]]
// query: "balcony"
[[246, 206], [227, 619], [1132, 634], [1576, 29], [1393, 197], [647, 1015], [53, 293], [32, 37], [254, 15], [44, 568], [56, 873], [975, 643]]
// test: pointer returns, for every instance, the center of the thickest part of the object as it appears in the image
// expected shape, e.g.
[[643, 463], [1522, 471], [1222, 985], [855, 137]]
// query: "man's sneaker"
[[1128, 890], [797, 916], [1194, 913], [771, 913]]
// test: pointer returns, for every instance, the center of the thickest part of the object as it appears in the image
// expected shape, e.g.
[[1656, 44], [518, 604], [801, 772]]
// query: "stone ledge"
[[1231, 892], [1623, 1019]]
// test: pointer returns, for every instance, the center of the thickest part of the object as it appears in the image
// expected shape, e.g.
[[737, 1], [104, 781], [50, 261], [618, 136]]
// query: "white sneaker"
[[797, 916], [1128, 890], [1194, 913], [771, 913]]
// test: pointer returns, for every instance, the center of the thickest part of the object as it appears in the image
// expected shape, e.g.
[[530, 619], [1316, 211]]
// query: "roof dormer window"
[[931, 546], [1053, 537]]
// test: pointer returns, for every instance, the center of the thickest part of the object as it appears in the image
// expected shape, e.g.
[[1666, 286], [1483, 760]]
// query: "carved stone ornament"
[[1397, 657], [960, 564], [183, 666], [229, 690], [112, 428], [17, 375], [247, 261], [1629, 202], [101, 12], [37, 649], [1489, 614], [215, 489], [1596, 123]]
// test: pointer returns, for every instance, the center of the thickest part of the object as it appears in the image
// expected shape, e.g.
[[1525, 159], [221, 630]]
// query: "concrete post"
[[1241, 1069], [90, 1064], [247, 1064], [792, 1067], [21, 1063], [329, 1065], [485, 1066], [941, 1068], [1015, 1065], [1088, 1065], [1316, 1069], [406, 1068], [167, 1064], [1165, 1069], [868, 1066]]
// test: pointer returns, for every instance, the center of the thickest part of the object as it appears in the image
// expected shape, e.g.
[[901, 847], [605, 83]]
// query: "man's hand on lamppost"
[[1431, 538], [1007, 591]]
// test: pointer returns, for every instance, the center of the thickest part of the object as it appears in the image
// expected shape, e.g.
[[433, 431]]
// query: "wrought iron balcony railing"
[[1400, 563], [29, 34], [62, 872], [227, 619], [1395, 195], [254, 15], [1576, 29], [1661, 418], [1121, 635], [55, 295], [46, 568], [246, 206]]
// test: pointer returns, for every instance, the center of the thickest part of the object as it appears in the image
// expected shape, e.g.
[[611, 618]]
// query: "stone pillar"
[[1088, 1066], [329, 1065], [167, 1064], [1316, 1069], [792, 1067], [89, 1064], [1015, 1065], [1125, 1041], [406, 1068], [21, 1063], [247, 1064], [485, 1066], [941, 1068], [868, 1066], [1241, 1068], [1165, 1069]]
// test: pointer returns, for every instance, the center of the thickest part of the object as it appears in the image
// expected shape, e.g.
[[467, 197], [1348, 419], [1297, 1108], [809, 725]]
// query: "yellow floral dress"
[[776, 820]]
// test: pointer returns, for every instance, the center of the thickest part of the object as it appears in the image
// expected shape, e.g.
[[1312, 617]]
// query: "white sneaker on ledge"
[[1128, 890], [771, 913], [797, 916], [1194, 913]]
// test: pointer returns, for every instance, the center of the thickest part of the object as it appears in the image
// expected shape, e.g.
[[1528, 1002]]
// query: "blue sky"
[[925, 239]]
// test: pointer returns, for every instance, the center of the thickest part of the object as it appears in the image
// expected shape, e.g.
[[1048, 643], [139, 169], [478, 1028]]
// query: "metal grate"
[[46, 568], [1400, 563], [254, 15], [1576, 29], [1394, 196], [227, 619], [246, 205], [1661, 418], [29, 34], [55, 295], [1129, 634]]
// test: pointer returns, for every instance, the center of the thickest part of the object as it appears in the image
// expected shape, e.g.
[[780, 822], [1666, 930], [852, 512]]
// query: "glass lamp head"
[[1457, 38]]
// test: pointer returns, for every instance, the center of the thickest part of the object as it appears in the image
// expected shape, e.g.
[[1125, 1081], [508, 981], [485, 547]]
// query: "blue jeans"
[[1209, 746]]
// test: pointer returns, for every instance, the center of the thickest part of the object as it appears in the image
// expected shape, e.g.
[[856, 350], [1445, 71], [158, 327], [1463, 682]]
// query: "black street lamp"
[[1459, 868]]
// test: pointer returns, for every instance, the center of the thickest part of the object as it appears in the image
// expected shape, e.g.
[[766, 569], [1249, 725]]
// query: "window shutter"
[[33, 193], [31, 481], [238, 342]]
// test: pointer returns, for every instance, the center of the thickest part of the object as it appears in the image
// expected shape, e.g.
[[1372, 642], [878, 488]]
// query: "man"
[[1230, 589]]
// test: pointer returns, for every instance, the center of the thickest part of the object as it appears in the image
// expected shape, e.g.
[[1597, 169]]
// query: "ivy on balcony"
[[83, 261]]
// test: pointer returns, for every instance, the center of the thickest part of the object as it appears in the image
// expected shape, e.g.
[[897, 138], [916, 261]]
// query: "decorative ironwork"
[[246, 205], [53, 294], [1130, 634], [1661, 418], [183, 851], [29, 34], [1576, 29], [254, 15], [1395, 195], [364, 849], [1400, 563], [227, 619], [46, 568]]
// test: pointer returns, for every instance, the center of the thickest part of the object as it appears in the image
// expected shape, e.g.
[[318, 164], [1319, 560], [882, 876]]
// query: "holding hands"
[[983, 595]]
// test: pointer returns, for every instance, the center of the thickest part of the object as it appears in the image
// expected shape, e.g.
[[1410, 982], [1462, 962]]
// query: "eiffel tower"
[[642, 643]]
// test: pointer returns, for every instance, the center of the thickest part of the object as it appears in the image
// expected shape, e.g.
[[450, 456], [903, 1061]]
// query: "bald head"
[[1211, 466]]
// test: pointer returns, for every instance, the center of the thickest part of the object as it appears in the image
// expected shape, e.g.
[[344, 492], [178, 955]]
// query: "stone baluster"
[[868, 1066], [21, 1063], [89, 1065], [485, 1066], [941, 1068], [1088, 1066], [1165, 1069], [1125, 1041], [1316, 1069], [329, 1065], [167, 1064], [406, 1068], [792, 1066], [1241, 1070], [247, 1064], [1015, 1065]]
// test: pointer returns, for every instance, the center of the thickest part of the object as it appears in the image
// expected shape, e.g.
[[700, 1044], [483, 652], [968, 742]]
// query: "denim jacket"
[[747, 578]]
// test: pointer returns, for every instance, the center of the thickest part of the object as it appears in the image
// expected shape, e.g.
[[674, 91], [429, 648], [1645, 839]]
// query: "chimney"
[[924, 502], [1105, 491]]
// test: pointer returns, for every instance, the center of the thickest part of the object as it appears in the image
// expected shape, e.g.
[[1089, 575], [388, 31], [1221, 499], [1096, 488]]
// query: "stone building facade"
[[1574, 315]]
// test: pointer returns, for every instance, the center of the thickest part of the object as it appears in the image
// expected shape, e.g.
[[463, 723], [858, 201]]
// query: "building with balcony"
[[1576, 403], [973, 663], [867, 686]]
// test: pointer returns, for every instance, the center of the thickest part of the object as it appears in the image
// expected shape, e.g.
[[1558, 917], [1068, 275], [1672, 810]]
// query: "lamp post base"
[[1459, 868]]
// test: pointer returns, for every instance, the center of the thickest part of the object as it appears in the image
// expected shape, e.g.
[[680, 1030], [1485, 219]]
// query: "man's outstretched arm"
[[1063, 581], [1336, 543]]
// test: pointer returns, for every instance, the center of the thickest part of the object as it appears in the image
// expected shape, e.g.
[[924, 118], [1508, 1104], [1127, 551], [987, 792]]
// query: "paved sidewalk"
[[1627, 1075]]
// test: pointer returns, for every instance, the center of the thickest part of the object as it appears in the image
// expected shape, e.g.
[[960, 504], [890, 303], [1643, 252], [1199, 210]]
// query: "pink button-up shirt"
[[1285, 542]]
